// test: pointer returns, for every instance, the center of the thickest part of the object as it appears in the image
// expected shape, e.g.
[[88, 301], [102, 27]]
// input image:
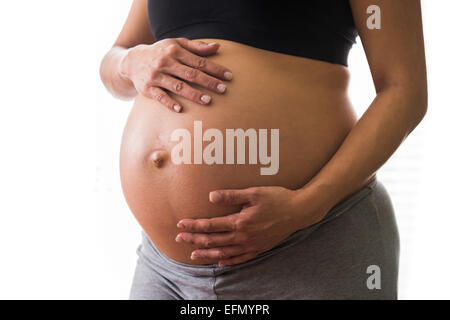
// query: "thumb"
[[231, 197], [199, 47]]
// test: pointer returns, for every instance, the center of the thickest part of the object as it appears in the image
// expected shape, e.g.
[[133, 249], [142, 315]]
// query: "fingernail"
[[221, 265], [180, 225], [177, 108], [221, 87], [228, 75], [193, 256], [212, 43], [215, 196], [178, 238], [205, 98]]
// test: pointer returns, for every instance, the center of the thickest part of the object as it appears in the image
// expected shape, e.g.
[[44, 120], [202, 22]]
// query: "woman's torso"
[[306, 100]]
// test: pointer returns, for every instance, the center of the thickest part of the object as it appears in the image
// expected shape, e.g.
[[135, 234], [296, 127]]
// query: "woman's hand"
[[154, 67], [268, 215]]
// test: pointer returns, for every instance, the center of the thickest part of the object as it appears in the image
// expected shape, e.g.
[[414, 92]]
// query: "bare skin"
[[310, 110], [138, 65], [331, 154]]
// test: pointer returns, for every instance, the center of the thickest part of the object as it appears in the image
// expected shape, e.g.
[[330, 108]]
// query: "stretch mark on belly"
[[157, 157]]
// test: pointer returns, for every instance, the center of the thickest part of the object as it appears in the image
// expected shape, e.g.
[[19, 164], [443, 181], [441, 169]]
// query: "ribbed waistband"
[[155, 256], [282, 40]]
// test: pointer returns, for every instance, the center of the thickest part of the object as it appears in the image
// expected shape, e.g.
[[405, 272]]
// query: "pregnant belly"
[[170, 162]]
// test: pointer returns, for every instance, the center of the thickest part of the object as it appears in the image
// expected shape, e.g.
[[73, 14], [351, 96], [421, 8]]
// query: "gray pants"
[[352, 253]]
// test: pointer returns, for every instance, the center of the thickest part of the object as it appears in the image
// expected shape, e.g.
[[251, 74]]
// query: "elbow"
[[411, 92], [413, 96], [425, 101], [417, 106], [420, 102]]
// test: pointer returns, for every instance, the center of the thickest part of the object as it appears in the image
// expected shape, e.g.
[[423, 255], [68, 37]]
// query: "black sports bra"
[[317, 29]]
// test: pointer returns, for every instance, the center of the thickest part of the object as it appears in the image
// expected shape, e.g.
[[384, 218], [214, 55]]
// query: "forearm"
[[394, 113], [116, 84]]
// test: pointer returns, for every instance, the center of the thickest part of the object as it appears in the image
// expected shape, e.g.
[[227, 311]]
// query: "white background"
[[65, 229]]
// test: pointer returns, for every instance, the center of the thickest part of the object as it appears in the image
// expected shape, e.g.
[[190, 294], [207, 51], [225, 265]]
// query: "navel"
[[158, 157]]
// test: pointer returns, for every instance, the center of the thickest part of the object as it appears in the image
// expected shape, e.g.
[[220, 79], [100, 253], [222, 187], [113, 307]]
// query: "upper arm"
[[395, 52], [136, 29]]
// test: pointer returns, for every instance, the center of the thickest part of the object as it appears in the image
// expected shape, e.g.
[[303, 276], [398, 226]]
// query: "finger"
[[204, 64], [231, 197], [208, 240], [219, 224], [198, 47], [162, 97], [196, 76], [237, 259], [218, 253], [183, 89]]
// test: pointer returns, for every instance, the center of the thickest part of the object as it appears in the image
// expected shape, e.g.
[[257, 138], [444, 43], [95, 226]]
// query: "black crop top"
[[317, 29]]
